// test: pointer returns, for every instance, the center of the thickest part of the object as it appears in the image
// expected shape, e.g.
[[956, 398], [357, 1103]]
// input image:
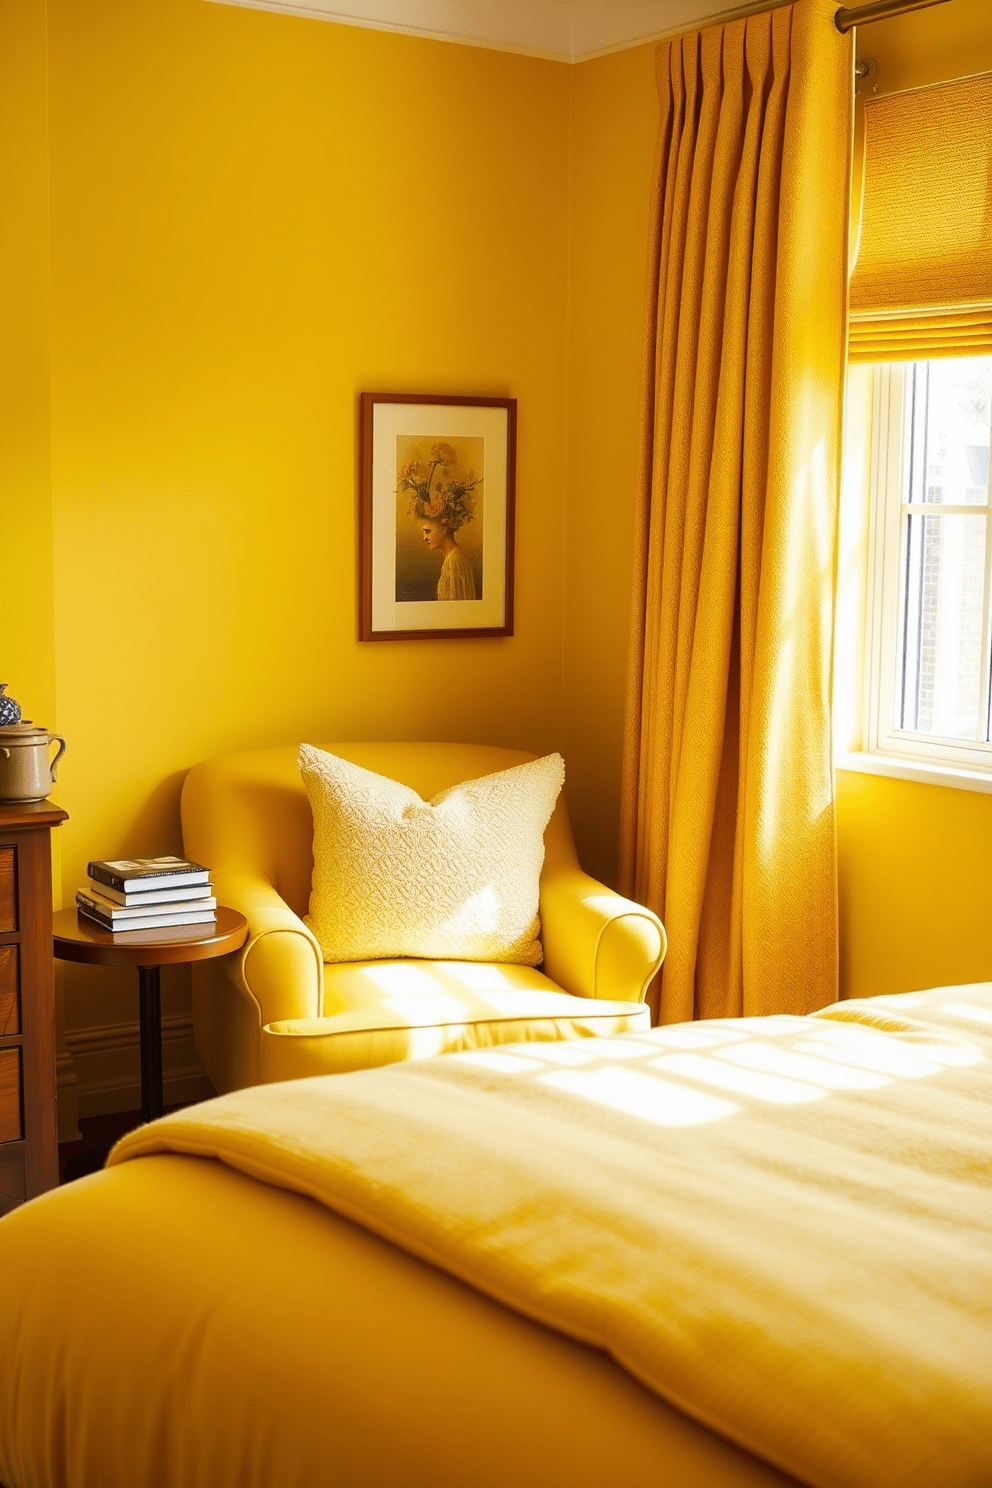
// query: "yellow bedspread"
[[782, 1226]]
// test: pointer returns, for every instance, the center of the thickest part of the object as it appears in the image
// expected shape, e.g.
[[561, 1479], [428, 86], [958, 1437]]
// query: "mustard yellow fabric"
[[922, 285], [248, 816], [454, 877], [921, 336], [780, 1225], [393, 1010], [728, 817], [173, 1324]]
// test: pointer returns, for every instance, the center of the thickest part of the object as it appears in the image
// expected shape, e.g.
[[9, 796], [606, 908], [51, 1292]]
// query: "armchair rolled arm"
[[280, 964], [596, 943]]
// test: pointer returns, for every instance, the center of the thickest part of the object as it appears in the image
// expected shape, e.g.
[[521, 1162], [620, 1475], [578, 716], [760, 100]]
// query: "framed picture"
[[436, 517]]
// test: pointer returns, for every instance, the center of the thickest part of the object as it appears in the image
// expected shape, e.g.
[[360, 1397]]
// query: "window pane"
[[946, 450], [941, 664]]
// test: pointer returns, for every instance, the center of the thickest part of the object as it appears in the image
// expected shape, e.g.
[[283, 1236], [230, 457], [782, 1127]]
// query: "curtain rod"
[[878, 10]]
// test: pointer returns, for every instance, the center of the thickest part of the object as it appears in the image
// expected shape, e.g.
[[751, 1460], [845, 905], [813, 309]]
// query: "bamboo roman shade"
[[923, 283]]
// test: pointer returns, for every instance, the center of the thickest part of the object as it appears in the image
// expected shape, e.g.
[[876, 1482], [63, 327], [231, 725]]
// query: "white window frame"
[[887, 535]]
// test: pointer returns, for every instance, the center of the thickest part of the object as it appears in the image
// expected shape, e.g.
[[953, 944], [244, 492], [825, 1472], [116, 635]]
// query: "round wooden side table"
[[76, 938]]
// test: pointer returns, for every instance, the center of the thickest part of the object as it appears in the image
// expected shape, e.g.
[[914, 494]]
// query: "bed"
[[753, 1252]]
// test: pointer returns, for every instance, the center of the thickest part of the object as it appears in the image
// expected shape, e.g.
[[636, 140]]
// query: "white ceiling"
[[566, 30]]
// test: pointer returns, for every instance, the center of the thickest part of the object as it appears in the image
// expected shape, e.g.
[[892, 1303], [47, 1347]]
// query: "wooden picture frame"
[[436, 515]]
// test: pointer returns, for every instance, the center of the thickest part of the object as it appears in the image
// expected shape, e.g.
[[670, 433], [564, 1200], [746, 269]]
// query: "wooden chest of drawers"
[[29, 1155]]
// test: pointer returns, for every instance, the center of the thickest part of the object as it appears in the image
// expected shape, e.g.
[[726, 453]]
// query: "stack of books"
[[148, 894]]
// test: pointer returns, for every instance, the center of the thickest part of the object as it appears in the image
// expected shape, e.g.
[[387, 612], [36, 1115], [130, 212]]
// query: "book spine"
[[120, 915], [190, 896], [150, 922], [104, 921], [189, 878], [92, 902]]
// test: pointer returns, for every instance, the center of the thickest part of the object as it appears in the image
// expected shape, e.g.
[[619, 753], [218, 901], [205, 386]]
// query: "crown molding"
[[558, 30]]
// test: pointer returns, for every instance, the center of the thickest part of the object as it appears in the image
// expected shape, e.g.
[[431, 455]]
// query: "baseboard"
[[106, 1098], [107, 1065]]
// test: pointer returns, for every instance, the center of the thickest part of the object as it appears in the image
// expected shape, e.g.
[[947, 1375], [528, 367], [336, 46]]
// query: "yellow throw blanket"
[[781, 1225]]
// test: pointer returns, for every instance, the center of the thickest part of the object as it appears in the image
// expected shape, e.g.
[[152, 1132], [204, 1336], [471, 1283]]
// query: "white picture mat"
[[438, 421]]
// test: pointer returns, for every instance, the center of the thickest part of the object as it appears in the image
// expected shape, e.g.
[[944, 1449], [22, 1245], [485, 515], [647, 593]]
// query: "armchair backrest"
[[249, 812]]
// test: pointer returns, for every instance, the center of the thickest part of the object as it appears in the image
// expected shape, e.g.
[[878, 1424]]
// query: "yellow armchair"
[[275, 1011]]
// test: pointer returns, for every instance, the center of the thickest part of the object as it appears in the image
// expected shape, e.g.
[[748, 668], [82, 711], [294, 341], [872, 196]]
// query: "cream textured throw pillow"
[[455, 878]]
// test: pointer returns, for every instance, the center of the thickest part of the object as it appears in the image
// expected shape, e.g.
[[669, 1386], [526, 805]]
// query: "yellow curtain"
[[728, 816], [922, 286]]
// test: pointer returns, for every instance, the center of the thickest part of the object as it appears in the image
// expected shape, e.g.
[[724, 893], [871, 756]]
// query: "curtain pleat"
[[728, 810]]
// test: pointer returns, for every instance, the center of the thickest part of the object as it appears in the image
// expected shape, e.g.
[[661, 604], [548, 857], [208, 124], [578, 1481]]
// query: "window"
[[930, 634]]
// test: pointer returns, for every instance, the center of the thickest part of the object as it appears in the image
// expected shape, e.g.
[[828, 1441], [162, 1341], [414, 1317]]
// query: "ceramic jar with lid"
[[26, 771], [10, 708]]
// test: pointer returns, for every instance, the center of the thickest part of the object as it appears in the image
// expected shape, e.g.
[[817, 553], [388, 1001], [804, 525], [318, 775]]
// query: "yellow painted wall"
[[929, 46], [915, 867], [27, 611], [614, 120], [915, 860], [255, 217], [27, 624]]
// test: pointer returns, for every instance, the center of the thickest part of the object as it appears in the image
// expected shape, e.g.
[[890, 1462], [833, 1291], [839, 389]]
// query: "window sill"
[[897, 768]]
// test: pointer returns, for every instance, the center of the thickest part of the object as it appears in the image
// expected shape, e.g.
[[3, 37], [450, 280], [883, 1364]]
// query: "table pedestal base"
[[150, 991]]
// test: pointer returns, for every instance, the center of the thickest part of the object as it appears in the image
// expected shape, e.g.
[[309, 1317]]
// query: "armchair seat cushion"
[[380, 1012]]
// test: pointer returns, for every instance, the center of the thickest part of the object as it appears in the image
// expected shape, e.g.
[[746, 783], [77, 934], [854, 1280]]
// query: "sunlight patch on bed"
[[825, 1058], [777, 1061], [764, 1087], [884, 1056], [621, 1048], [776, 1025], [967, 1010], [955, 1056], [572, 1051], [498, 1063], [569, 1052], [913, 1056], [644, 1096], [695, 1036]]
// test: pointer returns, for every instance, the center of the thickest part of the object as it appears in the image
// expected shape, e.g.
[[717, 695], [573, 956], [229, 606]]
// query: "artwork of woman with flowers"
[[436, 506], [438, 491]]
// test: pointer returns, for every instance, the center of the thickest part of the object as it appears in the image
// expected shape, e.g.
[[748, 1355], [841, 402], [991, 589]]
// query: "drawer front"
[[10, 990], [11, 1129], [8, 889]]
